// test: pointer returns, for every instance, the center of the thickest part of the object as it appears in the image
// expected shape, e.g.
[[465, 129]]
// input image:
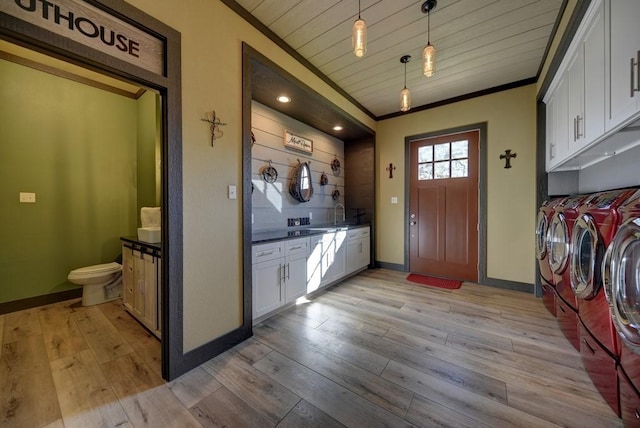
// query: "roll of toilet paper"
[[150, 216]]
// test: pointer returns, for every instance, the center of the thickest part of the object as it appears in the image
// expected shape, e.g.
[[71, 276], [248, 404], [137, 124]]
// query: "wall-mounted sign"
[[93, 27], [296, 142]]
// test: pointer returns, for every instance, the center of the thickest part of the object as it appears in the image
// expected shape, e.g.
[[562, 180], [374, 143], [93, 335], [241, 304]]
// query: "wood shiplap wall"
[[271, 202]]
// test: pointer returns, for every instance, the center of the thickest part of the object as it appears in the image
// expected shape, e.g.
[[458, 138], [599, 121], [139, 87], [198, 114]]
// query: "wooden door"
[[443, 204]]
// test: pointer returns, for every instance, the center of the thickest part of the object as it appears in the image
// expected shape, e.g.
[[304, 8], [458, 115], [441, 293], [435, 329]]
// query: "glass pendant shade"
[[359, 38], [429, 60], [405, 100]]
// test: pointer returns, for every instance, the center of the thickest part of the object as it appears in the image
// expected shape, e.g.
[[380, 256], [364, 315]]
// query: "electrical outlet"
[[310, 215], [394, 199], [29, 198]]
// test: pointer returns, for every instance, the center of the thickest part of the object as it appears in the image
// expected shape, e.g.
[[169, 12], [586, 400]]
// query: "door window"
[[541, 236], [625, 283], [587, 252], [559, 244], [444, 160]]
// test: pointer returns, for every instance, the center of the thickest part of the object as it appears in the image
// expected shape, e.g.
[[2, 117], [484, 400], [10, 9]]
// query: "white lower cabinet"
[[286, 270], [141, 282], [279, 274], [358, 249], [267, 287]]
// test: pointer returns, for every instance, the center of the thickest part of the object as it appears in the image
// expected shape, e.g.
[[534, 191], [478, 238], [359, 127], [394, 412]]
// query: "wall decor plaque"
[[297, 142]]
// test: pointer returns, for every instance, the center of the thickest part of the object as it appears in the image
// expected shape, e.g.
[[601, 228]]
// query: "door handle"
[[589, 346]]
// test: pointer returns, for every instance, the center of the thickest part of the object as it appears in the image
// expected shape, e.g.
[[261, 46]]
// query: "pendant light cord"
[[428, 27], [358, 9], [405, 75]]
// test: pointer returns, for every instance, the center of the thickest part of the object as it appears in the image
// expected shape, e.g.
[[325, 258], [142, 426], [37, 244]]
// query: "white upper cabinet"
[[623, 101], [575, 102], [595, 91], [590, 125]]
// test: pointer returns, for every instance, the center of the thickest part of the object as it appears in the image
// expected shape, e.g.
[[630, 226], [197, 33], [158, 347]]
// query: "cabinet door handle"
[[265, 253], [574, 129], [578, 134], [297, 247], [638, 71], [631, 74]]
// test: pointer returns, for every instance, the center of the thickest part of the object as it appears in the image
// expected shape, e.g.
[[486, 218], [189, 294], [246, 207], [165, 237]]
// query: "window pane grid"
[[443, 160]]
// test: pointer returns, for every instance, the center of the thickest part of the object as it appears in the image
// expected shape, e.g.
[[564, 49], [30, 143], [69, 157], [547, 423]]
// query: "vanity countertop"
[[134, 240], [262, 237]]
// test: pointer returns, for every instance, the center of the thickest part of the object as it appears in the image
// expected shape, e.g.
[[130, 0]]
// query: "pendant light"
[[429, 52], [359, 36], [405, 95]]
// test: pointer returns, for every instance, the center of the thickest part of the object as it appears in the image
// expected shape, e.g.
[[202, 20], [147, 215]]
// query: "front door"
[[443, 204]]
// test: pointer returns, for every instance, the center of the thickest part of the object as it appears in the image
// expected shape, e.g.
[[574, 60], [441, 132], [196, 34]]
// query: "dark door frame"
[[174, 361], [442, 137], [482, 191]]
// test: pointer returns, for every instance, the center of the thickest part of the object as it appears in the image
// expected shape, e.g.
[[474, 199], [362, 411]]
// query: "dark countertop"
[[283, 234], [134, 240]]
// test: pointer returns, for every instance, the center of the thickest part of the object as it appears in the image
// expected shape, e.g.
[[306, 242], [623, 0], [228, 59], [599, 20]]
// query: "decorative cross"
[[215, 123], [390, 168], [507, 158]]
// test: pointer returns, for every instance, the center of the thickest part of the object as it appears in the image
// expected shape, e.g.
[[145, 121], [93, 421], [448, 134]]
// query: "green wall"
[[148, 150], [75, 147]]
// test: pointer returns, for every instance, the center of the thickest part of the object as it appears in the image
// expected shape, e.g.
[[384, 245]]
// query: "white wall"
[[272, 203]]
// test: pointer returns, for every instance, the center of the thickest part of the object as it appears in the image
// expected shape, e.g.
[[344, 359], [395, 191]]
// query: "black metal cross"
[[390, 168], [507, 158]]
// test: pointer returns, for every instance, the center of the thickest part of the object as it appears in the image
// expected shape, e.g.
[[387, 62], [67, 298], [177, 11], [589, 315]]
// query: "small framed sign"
[[297, 142]]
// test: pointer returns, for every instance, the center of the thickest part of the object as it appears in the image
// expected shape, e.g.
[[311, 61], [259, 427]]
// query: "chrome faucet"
[[335, 213]]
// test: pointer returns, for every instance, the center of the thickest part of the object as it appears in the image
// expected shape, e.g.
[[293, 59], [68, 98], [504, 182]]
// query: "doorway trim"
[[483, 279], [482, 191], [14, 30]]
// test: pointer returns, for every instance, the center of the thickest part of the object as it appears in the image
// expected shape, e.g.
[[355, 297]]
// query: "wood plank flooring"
[[373, 351]]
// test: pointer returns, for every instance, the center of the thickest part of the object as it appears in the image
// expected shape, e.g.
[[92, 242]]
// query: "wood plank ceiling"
[[481, 44]]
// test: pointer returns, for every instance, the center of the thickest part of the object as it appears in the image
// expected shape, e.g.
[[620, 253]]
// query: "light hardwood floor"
[[375, 350]]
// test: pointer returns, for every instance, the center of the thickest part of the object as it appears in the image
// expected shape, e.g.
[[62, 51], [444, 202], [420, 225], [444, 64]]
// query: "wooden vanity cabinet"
[[141, 282]]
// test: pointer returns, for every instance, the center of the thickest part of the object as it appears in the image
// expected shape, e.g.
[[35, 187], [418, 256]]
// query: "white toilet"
[[101, 283]]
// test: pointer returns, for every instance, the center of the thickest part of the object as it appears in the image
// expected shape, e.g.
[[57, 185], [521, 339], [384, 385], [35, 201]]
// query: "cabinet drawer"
[[297, 246], [359, 233], [364, 232], [265, 252]]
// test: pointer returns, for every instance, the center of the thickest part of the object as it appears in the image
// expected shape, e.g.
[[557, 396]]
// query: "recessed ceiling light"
[[284, 99], [337, 128]]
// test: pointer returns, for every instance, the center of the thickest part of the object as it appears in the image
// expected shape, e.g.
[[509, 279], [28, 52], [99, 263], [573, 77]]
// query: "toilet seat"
[[94, 271]]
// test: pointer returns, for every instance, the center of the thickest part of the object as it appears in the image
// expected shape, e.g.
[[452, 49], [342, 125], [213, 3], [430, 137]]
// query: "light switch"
[[394, 199], [27, 197], [232, 192]]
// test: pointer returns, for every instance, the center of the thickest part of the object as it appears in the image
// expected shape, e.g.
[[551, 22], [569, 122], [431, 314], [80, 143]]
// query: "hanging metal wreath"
[[324, 180], [336, 194], [269, 173], [335, 165]]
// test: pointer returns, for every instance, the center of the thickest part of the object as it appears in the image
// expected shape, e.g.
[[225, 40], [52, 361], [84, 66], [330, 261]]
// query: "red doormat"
[[450, 284]]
